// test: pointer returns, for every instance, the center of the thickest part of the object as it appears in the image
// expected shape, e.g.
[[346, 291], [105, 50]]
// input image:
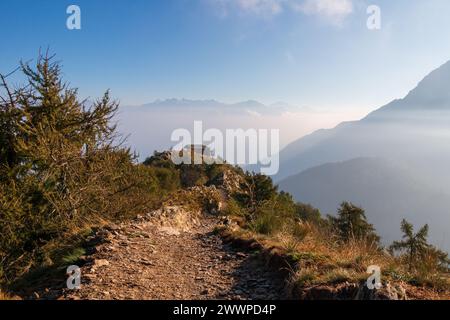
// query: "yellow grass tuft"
[[5, 296]]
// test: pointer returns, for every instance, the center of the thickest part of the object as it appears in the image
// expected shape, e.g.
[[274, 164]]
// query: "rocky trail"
[[148, 260]]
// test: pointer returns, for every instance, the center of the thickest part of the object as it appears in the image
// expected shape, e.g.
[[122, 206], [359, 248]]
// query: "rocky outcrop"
[[229, 180], [199, 199], [387, 292], [176, 217], [349, 291]]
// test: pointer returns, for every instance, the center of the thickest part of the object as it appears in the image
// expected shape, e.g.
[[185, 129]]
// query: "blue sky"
[[315, 53]]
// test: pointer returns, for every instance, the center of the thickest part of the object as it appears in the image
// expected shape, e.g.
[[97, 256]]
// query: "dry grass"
[[5, 296], [323, 260], [352, 254], [332, 262]]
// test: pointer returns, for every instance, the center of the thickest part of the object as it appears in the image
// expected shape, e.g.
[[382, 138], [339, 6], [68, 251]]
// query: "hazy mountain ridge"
[[149, 126], [432, 93], [411, 119], [249, 107], [413, 132]]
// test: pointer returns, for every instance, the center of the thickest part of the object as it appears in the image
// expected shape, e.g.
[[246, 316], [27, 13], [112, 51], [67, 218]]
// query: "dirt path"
[[144, 261]]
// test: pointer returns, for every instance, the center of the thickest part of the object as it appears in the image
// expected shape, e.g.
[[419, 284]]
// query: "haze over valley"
[[406, 175], [149, 126]]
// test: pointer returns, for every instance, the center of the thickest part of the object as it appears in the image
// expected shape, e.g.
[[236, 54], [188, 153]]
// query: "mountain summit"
[[431, 94]]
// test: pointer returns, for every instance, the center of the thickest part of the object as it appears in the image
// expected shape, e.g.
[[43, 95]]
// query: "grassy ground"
[[317, 259]]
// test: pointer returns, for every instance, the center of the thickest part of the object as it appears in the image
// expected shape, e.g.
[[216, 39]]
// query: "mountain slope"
[[415, 129], [384, 189], [413, 132]]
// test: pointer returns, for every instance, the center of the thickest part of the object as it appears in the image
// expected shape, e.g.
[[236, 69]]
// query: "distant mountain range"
[[330, 166], [149, 126], [250, 107]]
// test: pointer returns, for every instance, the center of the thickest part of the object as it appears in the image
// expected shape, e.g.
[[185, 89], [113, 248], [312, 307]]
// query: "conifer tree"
[[351, 223], [415, 245], [62, 165]]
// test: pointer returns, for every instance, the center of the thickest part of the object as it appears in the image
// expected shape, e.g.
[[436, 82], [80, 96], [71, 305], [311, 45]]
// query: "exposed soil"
[[144, 260]]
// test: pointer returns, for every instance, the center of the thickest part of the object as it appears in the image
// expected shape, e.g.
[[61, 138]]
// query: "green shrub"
[[266, 223], [308, 213], [274, 214], [351, 223], [256, 189], [168, 178], [232, 208]]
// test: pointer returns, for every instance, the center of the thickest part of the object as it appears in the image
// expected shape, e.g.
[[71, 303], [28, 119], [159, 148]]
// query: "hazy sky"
[[316, 53]]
